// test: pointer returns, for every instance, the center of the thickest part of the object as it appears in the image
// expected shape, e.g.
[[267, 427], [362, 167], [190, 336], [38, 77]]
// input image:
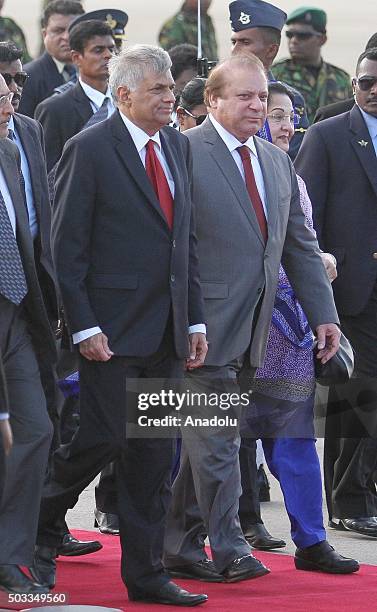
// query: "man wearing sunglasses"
[[338, 163], [319, 82]]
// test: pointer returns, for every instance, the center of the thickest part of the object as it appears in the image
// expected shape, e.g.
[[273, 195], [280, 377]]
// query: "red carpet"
[[94, 580]]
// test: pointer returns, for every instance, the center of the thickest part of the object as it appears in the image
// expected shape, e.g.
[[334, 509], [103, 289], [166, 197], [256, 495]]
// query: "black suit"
[[338, 162], [334, 109], [27, 345], [62, 116], [120, 267], [43, 78]]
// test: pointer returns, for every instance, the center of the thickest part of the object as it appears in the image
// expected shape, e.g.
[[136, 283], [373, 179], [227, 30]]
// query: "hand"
[[198, 351], [96, 348], [328, 337], [7, 436], [329, 262]]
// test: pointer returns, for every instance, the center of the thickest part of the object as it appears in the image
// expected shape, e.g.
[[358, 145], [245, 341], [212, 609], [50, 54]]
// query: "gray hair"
[[131, 65]]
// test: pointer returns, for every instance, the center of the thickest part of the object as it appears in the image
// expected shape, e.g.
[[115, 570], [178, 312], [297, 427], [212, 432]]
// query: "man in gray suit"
[[27, 348], [249, 220]]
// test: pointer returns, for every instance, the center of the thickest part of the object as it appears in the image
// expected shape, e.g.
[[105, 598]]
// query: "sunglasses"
[[301, 35], [198, 118], [19, 78], [366, 83]]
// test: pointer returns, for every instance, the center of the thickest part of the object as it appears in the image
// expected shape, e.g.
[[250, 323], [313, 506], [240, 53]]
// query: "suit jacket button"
[[173, 244], [374, 255], [172, 278]]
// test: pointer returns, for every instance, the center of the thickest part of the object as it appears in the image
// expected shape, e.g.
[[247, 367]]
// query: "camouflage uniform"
[[9, 30], [330, 85], [183, 28]]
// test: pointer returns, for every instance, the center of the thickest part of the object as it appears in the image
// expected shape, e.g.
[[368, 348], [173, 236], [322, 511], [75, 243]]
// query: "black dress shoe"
[[43, 569], [106, 522], [263, 485], [13, 580], [258, 537], [170, 594], [323, 558], [244, 568], [201, 570], [365, 526], [71, 547], [338, 526]]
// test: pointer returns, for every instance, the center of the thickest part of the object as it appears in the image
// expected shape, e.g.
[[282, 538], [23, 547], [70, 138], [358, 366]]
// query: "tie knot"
[[244, 152]]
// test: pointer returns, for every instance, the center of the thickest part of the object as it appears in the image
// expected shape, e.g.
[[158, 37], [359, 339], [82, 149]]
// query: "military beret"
[[114, 18], [245, 14], [310, 15]]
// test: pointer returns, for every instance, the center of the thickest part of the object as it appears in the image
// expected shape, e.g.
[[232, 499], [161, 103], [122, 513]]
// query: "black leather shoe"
[[244, 568], [258, 537], [170, 594], [323, 558], [338, 526], [13, 580], [365, 526], [43, 569], [263, 485], [71, 547], [106, 522], [201, 570]]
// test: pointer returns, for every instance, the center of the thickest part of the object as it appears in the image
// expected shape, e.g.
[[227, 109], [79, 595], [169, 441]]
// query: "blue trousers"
[[294, 462]]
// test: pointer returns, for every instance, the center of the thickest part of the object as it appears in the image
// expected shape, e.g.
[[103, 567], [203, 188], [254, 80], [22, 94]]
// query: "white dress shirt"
[[32, 213], [141, 139], [96, 98], [232, 143], [371, 123], [4, 416]]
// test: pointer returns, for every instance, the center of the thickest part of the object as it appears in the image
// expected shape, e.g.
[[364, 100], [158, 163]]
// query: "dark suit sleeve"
[[47, 114], [73, 213], [4, 404], [303, 264], [195, 301], [313, 166]]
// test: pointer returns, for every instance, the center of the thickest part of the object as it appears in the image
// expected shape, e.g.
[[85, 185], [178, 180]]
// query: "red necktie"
[[252, 189], [159, 182]]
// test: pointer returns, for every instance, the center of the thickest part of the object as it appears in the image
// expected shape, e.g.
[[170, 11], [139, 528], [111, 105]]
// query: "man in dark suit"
[[54, 67], [27, 134], [339, 165], [62, 116], [128, 274], [27, 348]]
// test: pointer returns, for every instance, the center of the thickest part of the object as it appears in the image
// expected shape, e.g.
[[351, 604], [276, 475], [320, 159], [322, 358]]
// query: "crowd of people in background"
[[149, 203]]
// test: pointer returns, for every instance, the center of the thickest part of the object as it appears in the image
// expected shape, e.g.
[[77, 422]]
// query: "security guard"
[[257, 27], [319, 82], [115, 19]]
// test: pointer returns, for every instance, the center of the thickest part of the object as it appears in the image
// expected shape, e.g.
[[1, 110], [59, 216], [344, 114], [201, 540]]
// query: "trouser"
[[142, 465], [292, 458], [32, 434]]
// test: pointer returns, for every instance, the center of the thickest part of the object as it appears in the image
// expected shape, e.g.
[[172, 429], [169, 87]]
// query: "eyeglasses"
[[19, 78], [281, 117], [366, 83], [6, 98], [198, 118], [301, 35]]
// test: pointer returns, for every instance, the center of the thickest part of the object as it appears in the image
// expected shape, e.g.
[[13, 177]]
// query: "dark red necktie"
[[253, 190], [159, 182]]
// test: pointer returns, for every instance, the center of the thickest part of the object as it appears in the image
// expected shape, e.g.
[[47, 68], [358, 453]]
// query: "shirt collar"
[[59, 65], [371, 123], [138, 135], [231, 141], [95, 96]]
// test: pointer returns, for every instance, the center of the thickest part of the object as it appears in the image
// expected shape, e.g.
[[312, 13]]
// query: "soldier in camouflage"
[[319, 82], [183, 28], [10, 31]]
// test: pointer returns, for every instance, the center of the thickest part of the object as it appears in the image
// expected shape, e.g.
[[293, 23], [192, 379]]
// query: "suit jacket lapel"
[[363, 145], [270, 184], [83, 106], [131, 159], [231, 173], [30, 145]]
